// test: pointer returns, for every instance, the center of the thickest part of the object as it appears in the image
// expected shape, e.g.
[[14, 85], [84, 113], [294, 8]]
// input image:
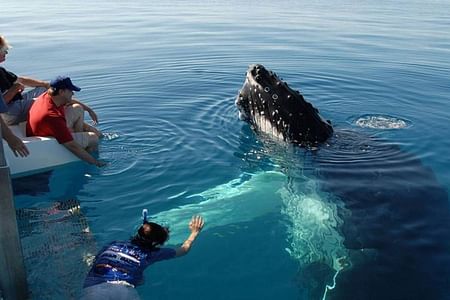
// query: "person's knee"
[[74, 117], [77, 109], [92, 140]]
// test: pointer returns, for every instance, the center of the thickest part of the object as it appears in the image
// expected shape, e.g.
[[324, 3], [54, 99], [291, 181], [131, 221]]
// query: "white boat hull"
[[45, 154]]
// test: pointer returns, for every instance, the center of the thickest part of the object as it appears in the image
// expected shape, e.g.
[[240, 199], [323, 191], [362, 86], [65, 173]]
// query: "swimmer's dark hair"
[[150, 235]]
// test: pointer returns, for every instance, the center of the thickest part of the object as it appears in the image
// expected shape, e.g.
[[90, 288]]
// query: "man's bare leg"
[[89, 128], [75, 120], [75, 117]]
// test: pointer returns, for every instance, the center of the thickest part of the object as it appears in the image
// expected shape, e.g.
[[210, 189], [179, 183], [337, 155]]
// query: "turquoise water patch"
[[239, 200]]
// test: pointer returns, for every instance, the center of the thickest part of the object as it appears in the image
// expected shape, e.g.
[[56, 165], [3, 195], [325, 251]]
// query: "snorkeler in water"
[[119, 266]]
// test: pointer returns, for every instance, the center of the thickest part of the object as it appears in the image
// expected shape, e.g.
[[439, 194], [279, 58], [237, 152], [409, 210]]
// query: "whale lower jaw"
[[265, 126]]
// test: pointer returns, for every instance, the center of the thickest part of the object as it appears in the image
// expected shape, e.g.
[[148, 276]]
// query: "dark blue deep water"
[[364, 217]]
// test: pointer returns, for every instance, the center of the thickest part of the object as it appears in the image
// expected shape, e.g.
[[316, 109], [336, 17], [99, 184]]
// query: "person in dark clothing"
[[15, 143], [12, 88]]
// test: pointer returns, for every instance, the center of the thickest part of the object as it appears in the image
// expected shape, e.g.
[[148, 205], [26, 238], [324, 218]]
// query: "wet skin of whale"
[[398, 207]]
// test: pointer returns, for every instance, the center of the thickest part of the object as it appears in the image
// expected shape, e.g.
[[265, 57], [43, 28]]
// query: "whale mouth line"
[[272, 107]]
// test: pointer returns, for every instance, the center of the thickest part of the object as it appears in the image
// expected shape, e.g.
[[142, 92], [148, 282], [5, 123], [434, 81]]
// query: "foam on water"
[[313, 229], [381, 122], [109, 136]]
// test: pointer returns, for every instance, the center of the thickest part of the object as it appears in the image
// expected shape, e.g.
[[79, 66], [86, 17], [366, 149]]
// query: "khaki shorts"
[[82, 138], [72, 115], [18, 110]]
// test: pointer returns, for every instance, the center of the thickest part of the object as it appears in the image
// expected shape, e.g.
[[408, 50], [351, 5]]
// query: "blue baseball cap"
[[63, 82]]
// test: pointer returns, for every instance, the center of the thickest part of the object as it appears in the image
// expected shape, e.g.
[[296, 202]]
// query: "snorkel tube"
[[144, 216], [150, 235]]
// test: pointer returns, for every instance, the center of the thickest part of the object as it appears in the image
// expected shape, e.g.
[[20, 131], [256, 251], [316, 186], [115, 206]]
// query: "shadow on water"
[[365, 219], [397, 208], [32, 185]]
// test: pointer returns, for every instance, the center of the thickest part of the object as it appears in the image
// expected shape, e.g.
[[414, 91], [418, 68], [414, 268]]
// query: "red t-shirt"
[[46, 119]]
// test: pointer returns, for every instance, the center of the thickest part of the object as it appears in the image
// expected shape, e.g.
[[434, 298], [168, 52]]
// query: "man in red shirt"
[[56, 114]]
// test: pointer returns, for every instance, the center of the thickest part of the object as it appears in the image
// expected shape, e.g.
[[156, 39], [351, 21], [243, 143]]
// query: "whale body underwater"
[[393, 206]]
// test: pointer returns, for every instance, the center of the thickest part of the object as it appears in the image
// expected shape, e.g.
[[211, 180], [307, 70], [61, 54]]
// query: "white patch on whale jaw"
[[264, 125], [243, 116]]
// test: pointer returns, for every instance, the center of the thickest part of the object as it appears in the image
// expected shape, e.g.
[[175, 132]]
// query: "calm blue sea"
[[163, 77]]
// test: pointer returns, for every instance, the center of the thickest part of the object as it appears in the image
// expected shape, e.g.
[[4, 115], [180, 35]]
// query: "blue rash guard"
[[124, 261]]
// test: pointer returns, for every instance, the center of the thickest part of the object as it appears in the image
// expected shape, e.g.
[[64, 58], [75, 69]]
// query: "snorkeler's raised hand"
[[196, 224]]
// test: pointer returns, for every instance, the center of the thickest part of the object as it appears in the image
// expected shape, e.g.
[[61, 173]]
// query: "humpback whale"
[[390, 204], [272, 107]]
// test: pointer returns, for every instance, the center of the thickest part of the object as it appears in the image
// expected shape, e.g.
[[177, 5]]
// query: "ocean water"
[[364, 217]]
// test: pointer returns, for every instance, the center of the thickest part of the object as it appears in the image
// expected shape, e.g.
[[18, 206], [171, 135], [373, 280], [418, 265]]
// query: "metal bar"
[[13, 279]]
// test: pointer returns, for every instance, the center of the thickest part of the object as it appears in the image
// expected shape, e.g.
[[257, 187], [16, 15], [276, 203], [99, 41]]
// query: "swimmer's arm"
[[195, 225]]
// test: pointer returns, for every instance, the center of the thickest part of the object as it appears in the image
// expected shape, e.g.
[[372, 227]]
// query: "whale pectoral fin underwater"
[[309, 217], [273, 108], [239, 200]]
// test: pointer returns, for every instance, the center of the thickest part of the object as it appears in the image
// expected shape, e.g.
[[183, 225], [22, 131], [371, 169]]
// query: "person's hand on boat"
[[17, 146]]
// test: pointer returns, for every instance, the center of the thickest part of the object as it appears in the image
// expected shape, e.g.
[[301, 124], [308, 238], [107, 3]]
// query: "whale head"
[[273, 108]]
